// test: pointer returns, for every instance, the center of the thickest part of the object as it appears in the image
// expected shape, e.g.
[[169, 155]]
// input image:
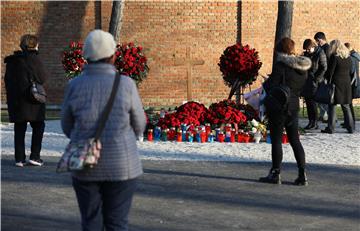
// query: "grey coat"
[[85, 99]]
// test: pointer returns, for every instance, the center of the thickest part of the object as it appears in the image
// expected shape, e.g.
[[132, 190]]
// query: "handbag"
[[325, 93], [277, 97], [36, 92], [355, 86], [85, 153]]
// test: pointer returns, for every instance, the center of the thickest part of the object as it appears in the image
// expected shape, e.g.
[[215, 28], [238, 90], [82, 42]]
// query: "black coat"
[[339, 74], [326, 49], [294, 69], [316, 73], [17, 84]]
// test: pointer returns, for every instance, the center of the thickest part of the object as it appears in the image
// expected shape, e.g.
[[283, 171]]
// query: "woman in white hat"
[[104, 192]]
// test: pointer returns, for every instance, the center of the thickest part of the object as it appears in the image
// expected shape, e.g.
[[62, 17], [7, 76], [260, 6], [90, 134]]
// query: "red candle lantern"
[[246, 138], [203, 137], [221, 137], [284, 138], [232, 137], [179, 136], [150, 136]]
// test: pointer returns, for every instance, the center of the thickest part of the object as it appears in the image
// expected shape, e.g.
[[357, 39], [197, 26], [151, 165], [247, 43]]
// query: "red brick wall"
[[166, 29]]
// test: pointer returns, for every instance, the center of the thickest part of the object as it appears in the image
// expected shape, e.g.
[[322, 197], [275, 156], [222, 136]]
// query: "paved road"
[[191, 196]]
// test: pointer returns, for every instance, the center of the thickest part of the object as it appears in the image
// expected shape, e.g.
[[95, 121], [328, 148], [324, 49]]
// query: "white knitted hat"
[[98, 45]]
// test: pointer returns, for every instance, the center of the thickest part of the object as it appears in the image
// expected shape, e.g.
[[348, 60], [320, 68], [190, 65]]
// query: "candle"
[[150, 135]]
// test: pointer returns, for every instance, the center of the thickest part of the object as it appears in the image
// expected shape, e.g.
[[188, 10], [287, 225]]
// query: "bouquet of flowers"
[[254, 127], [225, 112], [190, 113], [131, 60], [73, 60], [239, 64]]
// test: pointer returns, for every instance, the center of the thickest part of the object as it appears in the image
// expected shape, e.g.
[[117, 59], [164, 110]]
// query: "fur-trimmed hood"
[[301, 63]]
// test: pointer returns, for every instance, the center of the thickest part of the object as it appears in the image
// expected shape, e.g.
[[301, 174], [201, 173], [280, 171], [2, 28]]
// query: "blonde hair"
[[339, 49]]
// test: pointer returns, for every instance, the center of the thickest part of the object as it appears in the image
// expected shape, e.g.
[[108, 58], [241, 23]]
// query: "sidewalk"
[[191, 196]]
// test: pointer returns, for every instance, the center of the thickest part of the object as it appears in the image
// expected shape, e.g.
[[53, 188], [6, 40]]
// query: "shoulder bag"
[[85, 153], [36, 92], [355, 85], [277, 97], [325, 93]]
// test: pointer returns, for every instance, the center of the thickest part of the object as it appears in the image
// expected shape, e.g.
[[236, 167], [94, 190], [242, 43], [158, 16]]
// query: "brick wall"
[[167, 29]]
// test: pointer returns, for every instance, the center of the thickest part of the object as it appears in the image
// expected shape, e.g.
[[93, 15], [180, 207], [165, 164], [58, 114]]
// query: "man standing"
[[322, 42], [355, 59]]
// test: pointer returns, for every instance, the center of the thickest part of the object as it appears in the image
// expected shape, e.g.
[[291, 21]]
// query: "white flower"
[[253, 130], [254, 123]]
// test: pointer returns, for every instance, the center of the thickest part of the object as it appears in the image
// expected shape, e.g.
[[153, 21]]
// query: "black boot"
[[302, 179], [311, 125], [273, 177]]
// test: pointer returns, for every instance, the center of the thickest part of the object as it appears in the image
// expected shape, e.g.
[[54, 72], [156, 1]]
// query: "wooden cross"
[[189, 63]]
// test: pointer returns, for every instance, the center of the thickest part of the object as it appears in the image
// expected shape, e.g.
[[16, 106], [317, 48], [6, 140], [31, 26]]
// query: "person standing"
[[320, 39], [315, 76], [293, 69], [339, 74], [21, 67], [355, 59], [104, 192]]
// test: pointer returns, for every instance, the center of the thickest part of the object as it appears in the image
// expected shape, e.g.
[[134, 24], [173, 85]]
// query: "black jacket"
[[294, 69], [316, 73], [339, 73], [326, 49], [355, 58], [17, 84]]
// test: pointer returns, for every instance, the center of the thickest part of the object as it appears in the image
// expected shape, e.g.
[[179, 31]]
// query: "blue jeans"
[[104, 204]]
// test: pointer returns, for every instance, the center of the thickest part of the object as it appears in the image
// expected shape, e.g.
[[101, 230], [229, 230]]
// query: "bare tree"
[[284, 22], [115, 20]]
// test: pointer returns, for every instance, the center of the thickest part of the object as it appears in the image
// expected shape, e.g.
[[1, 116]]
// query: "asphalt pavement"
[[191, 196]]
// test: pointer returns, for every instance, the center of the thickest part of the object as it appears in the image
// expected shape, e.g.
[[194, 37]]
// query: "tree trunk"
[[283, 23], [98, 21], [115, 20]]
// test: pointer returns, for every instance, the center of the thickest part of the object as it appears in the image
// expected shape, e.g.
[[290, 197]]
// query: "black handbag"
[[277, 97], [325, 93], [355, 86], [309, 88], [85, 153]]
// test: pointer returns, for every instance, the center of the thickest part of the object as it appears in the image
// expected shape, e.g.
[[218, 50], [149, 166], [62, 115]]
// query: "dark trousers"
[[312, 111], [36, 140], [348, 118], [277, 124], [104, 205]]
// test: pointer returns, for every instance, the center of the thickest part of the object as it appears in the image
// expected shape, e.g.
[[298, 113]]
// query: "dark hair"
[[286, 45], [28, 42], [320, 35], [308, 43], [348, 45]]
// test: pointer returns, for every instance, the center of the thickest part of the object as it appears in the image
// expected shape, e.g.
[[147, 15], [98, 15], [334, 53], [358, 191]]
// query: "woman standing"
[[21, 67], [104, 192], [315, 76], [339, 74], [293, 69]]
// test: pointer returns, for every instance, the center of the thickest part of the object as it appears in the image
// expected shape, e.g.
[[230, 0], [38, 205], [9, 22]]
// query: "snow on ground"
[[339, 148]]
